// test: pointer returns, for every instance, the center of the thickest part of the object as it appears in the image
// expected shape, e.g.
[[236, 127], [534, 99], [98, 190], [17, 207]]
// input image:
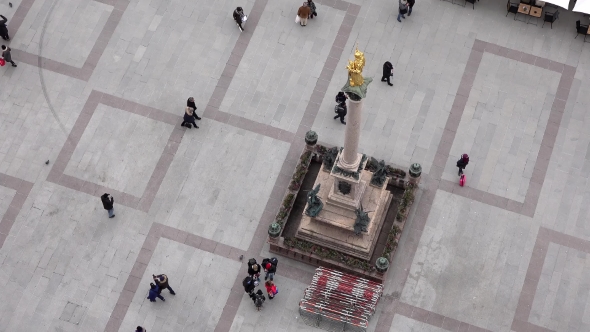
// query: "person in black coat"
[[254, 271], [189, 118], [107, 203], [341, 112], [410, 5], [387, 72], [4, 28], [462, 163], [239, 17], [191, 103]]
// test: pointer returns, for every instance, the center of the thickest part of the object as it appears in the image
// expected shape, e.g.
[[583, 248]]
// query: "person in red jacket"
[[271, 289]]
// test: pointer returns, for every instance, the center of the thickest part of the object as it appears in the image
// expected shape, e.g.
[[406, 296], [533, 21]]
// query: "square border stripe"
[[22, 188], [143, 203], [533, 274], [84, 73], [549, 136], [158, 231]]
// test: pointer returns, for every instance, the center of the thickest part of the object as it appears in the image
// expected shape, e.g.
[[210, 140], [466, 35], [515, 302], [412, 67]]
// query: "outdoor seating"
[[550, 17], [512, 7], [581, 30]]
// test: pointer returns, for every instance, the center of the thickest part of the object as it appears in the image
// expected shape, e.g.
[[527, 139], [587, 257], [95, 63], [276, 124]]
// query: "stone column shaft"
[[350, 157]]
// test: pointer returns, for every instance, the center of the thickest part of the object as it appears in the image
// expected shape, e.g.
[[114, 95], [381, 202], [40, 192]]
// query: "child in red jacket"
[[271, 289]]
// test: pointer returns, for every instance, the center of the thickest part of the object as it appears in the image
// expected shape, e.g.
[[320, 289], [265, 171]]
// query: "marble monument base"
[[334, 226]]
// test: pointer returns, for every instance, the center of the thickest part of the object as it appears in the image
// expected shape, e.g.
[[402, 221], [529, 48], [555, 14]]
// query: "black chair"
[[512, 7], [471, 2], [581, 30], [550, 17]]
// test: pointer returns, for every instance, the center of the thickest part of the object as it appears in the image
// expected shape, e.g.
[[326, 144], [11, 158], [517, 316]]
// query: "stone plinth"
[[347, 200], [334, 226]]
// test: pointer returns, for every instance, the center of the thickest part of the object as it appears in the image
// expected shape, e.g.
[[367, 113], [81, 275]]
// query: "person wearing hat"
[[270, 270], [162, 282]]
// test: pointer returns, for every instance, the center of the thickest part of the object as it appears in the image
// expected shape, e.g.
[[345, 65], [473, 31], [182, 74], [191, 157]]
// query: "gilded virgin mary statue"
[[356, 86]]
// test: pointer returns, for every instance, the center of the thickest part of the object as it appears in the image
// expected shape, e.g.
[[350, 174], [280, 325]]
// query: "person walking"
[[341, 111], [191, 103], [312, 7], [410, 5], [341, 98], [462, 163], [107, 203], [303, 14], [403, 8], [4, 28], [387, 72], [271, 289], [6, 55], [239, 18], [189, 118], [140, 329], [161, 281], [154, 293]]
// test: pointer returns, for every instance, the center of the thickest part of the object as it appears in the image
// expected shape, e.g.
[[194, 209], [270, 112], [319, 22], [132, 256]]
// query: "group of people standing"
[[269, 266], [308, 10], [405, 7]]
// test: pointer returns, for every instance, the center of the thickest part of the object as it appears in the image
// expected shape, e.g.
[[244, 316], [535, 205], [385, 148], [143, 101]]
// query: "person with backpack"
[[462, 163], [270, 267], [249, 285], [254, 269], [271, 289], [154, 293], [258, 299]]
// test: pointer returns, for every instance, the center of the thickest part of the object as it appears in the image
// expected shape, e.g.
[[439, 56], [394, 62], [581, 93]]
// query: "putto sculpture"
[[380, 174], [362, 220], [314, 203]]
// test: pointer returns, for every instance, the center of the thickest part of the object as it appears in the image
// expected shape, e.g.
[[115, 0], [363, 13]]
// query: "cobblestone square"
[[95, 106]]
